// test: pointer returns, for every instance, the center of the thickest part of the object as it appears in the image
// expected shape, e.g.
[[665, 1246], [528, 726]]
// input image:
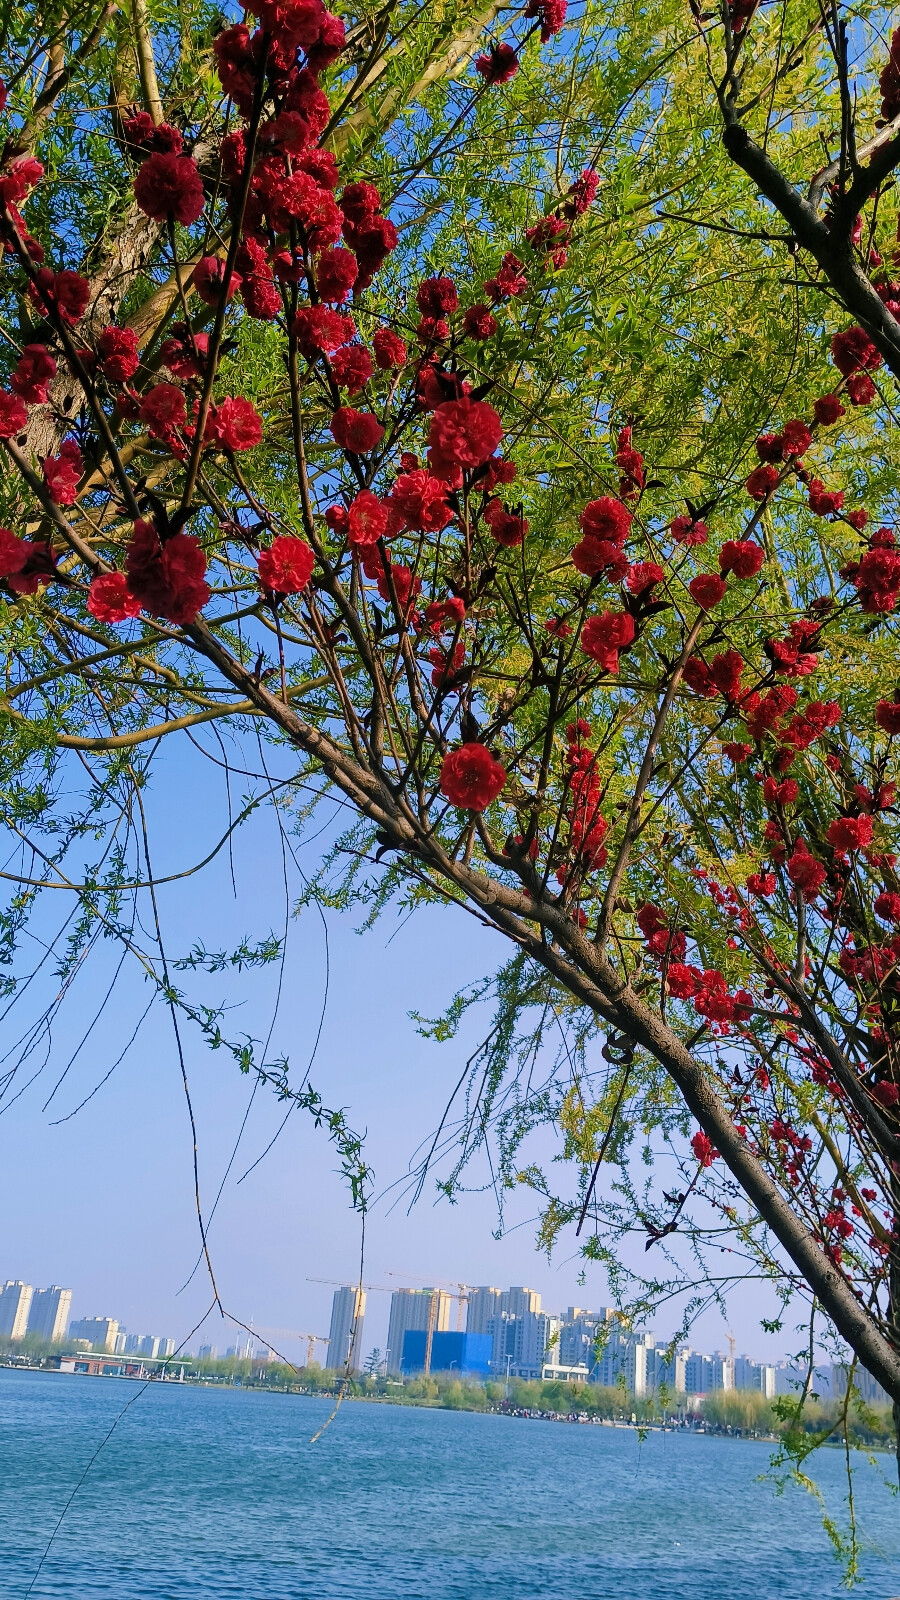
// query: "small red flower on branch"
[[286, 566], [471, 778], [604, 636]]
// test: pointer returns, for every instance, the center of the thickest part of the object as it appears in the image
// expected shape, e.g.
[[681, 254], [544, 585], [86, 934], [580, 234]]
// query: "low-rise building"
[[450, 1352]]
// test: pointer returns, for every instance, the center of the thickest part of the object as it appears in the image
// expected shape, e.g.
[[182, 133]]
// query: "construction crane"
[[312, 1339], [341, 1283], [461, 1296]]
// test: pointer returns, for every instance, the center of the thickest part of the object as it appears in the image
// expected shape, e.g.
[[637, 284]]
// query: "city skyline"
[[525, 1335], [499, 1332]]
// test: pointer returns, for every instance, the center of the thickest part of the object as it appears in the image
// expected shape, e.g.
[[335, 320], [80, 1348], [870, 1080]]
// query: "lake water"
[[208, 1494]]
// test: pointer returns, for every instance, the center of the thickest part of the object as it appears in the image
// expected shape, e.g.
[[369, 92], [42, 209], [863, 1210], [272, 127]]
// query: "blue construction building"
[[450, 1352]]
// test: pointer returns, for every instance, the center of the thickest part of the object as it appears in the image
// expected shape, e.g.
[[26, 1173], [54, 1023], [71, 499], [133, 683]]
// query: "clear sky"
[[103, 1201]]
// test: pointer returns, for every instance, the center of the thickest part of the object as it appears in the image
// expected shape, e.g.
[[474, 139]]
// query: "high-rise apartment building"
[[484, 1306], [208, 1352], [348, 1308], [581, 1334], [624, 1360], [508, 1316], [166, 1348], [665, 1367], [410, 1309], [15, 1304], [49, 1313], [99, 1332]]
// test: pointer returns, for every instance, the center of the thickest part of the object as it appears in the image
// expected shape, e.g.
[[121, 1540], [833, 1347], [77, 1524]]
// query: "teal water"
[[205, 1494]]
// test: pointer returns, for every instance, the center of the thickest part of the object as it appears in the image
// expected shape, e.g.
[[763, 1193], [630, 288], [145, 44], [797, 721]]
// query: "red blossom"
[[510, 280], [66, 290], [13, 415], [805, 871], [688, 531], [824, 502], [827, 409], [168, 579], [761, 884], [849, 833], [852, 350], [737, 752], [208, 278], [877, 579], [725, 671], [770, 447], [784, 793], [405, 584], [185, 352], [390, 351], [169, 186], [437, 297], [742, 557], [445, 613], [463, 433], [861, 391], [593, 556], [795, 438], [602, 637], [698, 677], [163, 410], [501, 65], [13, 553], [471, 778], [421, 501], [33, 374], [644, 575], [551, 14], [606, 519], [235, 424], [887, 906], [507, 527], [707, 589], [319, 330], [887, 716], [286, 566], [62, 472], [762, 481], [111, 600], [118, 352], [478, 323], [39, 567], [367, 519], [336, 273], [358, 431], [351, 367], [682, 981], [20, 176], [703, 1149]]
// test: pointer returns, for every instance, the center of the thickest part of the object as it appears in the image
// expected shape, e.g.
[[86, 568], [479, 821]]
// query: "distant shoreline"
[[695, 1425]]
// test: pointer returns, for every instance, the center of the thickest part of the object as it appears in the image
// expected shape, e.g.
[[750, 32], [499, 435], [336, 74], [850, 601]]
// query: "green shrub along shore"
[[741, 1412]]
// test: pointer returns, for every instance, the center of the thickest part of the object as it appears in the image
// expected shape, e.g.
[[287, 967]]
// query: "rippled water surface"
[[205, 1494]]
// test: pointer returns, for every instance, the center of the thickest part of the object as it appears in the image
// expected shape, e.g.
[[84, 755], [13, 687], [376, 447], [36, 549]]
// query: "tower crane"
[[312, 1339]]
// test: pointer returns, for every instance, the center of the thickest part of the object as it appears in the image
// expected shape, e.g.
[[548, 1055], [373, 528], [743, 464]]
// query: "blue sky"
[[103, 1201]]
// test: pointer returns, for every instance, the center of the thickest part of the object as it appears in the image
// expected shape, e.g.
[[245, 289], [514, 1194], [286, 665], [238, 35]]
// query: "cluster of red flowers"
[[876, 576], [587, 826]]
